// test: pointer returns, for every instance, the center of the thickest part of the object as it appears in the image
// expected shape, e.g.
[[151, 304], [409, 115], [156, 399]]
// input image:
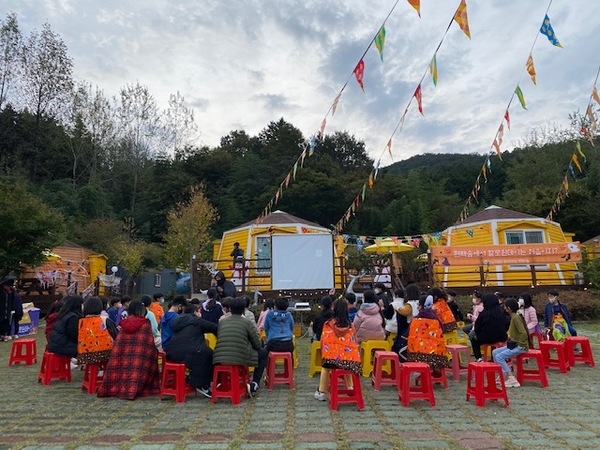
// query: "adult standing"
[[11, 308], [237, 252]]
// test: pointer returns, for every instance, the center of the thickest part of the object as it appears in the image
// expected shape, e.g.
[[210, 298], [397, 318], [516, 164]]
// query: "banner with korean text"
[[477, 255]]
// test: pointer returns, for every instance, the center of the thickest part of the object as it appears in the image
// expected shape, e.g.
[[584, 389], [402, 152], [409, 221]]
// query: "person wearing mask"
[[557, 318], [472, 316], [489, 326], [517, 344], [529, 313], [325, 314], [458, 315], [368, 323]]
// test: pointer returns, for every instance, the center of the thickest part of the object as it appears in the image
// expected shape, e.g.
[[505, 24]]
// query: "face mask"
[[378, 291], [552, 299], [521, 302], [474, 302]]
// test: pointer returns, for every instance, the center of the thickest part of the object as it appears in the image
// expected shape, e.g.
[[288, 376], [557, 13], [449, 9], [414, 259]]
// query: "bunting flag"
[[530, 68], [484, 172], [433, 69], [371, 180], [389, 148], [418, 96], [590, 114], [295, 170], [359, 72], [595, 95], [576, 162], [507, 118], [311, 147], [500, 133], [363, 192], [578, 147], [417, 5], [335, 103], [571, 170], [380, 41], [322, 128], [287, 179], [566, 183], [302, 156], [519, 93], [497, 147], [546, 30], [461, 19]]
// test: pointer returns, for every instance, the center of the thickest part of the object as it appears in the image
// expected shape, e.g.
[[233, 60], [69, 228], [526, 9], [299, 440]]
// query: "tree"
[[180, 129], [47, 81], [188, 234], [29, 227], [10, 49]]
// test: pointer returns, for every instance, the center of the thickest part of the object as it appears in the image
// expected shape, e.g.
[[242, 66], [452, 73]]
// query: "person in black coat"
[[224, 287], [187, 346], [325, 314], [490, 326], [11, 308], [63, 337]]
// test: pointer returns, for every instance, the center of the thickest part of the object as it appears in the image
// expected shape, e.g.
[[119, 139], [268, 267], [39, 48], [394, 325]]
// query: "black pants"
[[200, 365], [262, 363], [278, 345], [4, 328]]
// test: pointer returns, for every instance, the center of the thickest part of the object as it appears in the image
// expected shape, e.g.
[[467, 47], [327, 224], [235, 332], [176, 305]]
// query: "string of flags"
[[588, 128], [461, 19], [361, 241], [308, 147], [496, 146]]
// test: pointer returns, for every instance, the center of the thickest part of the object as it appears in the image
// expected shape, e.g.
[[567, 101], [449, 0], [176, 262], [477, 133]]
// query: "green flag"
[[519, 93], [380, 41]]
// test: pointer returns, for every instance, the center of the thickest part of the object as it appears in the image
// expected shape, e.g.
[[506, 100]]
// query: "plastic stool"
[[210, 340], [344, 394], [457, 369], [537, 374], [481, 373], [391, 338], [539, 337], [295, 352], [54, 367], [229, 381], [162, 358], [286, 377], [23, 350], [561, 361], [421, 391], [366, 354], [486, 350], [379, 376], [451, 337], [586, 356], [315, 359], [91, 380], [173, 382], [441, 379]]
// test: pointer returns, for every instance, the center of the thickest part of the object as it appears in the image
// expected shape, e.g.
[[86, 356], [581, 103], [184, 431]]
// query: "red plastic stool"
[[421, 391], [486, 349], [344, 394], [173, 382], [561, 361], [229, 381], [91, 378], [54, 367], [379, 376], [441, 379], [537, 374], [457, 369], [23, 350], [539, 337], [585, 356], [286, 377], [481, 373], [162, 358]]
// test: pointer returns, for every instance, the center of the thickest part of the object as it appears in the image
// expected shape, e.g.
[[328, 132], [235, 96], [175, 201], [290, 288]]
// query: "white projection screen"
[[302, 261]]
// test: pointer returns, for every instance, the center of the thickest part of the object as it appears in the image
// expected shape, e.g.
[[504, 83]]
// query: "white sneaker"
[[321, 396], [204, 391], [512, 382]]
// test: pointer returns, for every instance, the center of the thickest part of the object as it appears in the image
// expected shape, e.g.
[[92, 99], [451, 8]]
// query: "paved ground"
[[62, 416]]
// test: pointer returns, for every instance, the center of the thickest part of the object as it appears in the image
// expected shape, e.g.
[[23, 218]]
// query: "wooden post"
[[533, 276]]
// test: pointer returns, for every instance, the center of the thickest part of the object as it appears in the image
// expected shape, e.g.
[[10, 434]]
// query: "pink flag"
[[418, 95]]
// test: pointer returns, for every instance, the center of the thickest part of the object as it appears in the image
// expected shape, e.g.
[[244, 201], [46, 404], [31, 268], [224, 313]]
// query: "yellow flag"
[[530, 68], [460, 17], [595, 95], [576, 162], [417, 5]]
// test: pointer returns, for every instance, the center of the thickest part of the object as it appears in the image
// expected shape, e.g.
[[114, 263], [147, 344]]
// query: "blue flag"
[[546, 30]]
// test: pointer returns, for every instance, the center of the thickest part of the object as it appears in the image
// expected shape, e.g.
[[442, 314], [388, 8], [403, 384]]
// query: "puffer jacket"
[[238, 342], [279, 325], [63, 337], [368, 323], [188, 336]]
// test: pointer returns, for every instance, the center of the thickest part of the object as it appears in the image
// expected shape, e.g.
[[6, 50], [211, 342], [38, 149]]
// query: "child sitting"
[[279, 327]]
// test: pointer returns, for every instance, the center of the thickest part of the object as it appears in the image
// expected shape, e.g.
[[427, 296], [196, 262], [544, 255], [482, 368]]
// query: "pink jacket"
[[530, 316], [368, 323], [476, 311]]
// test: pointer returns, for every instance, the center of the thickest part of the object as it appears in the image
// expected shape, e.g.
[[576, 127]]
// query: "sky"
[[242, 64]]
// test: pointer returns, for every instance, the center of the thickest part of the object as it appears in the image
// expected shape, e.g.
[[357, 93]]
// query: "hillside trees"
[[10, 50]]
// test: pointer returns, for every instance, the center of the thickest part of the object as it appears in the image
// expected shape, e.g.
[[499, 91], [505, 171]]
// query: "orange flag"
[[530, 68], [359, 72], [419, 97], [461, 19], [389, 147], [417, 5], [595, 95]]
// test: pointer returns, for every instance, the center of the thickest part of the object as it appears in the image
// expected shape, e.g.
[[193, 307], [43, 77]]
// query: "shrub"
[[583, 305]]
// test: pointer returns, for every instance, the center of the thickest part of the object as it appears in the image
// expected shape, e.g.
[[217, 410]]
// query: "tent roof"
[[280, 218], [495, 213]]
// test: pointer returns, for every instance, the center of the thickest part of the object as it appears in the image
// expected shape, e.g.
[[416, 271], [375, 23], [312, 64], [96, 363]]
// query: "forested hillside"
[[107, 169]]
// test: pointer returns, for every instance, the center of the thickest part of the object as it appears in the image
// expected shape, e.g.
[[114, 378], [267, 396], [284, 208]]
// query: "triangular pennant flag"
[[484, 173], [460, 17], [507, 118], [277, 195], [322, 129], [370, 181], [575, 160], [595, 95], [519, 93], [488, 163], [359, 72], [295, 169], [312, 145], [380, 41], [363, 192], [335, 103], [417, 5], [302, 156], [419, 97], [530, 68], [590, 114], [497, 147], [572, 170], [578, 146], [500, 133], [287, 179], [433, 69], [389, 147], [566, 183], [546, 30]]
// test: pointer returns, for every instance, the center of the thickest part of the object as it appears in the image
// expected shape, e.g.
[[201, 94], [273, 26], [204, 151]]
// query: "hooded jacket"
[[279, 325], [166, 329], [228, 288], [368, 323], [188, 335], [490, 326]]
